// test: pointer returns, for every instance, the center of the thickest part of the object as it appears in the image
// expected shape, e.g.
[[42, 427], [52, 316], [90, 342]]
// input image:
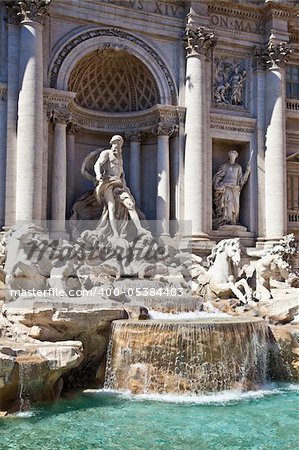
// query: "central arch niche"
[[113, 81]]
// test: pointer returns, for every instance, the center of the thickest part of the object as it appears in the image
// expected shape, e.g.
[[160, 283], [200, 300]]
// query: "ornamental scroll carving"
[[229, 82], [28, 10]]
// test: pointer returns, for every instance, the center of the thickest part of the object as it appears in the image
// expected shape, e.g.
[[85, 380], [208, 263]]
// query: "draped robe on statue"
[[227, 185]]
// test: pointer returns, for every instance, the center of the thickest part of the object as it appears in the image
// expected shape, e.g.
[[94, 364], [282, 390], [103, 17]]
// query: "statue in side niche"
[[227, 185]]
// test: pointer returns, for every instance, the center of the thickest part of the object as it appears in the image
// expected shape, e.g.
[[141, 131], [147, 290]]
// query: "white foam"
[[191, 315], [215, 398], [24, 414]]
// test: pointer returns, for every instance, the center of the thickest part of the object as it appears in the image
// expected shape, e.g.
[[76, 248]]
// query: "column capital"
[[165, 129], [198, 40], [59, 116], [136, 136], [72, 128], [27, 10], [272, 56]]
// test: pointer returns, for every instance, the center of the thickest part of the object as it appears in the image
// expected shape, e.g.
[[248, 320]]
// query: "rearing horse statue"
[[223, 261]]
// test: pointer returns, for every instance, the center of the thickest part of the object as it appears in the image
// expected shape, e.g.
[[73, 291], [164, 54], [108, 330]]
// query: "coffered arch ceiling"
[[113, 80]]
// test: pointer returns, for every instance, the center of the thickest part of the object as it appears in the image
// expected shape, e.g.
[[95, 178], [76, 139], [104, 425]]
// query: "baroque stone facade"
[[184, 82]]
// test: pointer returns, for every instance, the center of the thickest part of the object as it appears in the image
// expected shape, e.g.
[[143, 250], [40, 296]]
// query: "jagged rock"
[[32, 372], [66, 319], [283, 310], [287, 338]]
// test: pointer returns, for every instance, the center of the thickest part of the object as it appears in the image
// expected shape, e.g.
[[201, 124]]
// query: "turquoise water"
[[262, 420]]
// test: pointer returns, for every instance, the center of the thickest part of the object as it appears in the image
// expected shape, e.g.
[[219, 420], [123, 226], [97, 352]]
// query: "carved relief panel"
[[230, 82]]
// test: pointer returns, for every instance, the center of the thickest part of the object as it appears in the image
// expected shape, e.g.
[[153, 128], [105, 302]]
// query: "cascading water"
[[25, 376], [30, 378], [187, 356]]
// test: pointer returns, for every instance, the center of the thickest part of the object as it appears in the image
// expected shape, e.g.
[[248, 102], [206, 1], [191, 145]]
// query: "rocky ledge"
[[47, 345], [33, 372]]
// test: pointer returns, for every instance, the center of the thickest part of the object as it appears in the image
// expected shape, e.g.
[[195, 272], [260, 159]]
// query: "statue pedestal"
[[232, 231]]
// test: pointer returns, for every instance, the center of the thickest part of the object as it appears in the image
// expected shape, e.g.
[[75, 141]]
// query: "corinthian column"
[[199, 42], [32, 14], [274, 58], [163, 131]]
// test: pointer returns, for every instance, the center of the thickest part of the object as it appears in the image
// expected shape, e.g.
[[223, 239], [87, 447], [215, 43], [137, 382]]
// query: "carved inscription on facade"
[[235, 24], [172, 9]]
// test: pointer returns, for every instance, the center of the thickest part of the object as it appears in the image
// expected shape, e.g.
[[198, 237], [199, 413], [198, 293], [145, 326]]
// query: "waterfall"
[[31, 370], [188, 356], [25, 377]]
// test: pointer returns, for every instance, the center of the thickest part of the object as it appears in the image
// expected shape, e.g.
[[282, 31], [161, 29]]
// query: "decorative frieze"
[[273, 55], [28, 10], [133, 122]]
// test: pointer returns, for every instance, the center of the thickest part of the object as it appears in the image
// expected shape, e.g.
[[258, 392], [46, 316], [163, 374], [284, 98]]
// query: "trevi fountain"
[[104, 321]]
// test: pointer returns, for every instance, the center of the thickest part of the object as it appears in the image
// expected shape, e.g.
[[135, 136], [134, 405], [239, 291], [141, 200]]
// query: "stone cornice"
[[236, 10], [127, 122], [251, 11], [27, 10], [232, 123]]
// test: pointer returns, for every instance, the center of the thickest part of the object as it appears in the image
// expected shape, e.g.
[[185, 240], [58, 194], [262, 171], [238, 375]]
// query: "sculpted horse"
[[222, 280]]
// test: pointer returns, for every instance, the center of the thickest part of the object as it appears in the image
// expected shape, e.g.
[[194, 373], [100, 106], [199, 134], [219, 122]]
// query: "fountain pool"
[[263, 419]]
